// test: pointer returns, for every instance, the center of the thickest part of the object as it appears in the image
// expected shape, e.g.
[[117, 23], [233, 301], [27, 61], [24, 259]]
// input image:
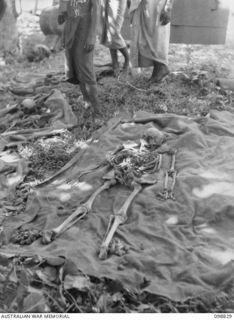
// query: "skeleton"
[[120, 216], [131, 165], [168, 191], [77, 215], [124, 172]]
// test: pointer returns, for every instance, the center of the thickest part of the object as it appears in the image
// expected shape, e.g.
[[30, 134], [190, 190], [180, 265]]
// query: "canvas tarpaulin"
[[178, 249]]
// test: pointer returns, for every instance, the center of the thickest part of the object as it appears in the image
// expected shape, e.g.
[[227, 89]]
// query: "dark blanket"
[[178, 249]]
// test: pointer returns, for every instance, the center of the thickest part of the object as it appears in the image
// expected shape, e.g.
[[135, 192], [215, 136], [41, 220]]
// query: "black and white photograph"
[[116, 158]]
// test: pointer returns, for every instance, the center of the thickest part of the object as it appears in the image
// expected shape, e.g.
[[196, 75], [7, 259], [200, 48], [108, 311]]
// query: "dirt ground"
[[191, 89]]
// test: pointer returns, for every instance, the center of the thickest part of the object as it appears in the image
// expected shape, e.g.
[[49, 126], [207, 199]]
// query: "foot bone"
[[121, 216], [115, 220]]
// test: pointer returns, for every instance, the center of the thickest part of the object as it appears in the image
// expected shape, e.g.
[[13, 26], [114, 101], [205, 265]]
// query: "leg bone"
[[172, 168], [165, 187], [172, 187], [116, 220], [172, 173], [159, 162], [79, 213], [164, 195]]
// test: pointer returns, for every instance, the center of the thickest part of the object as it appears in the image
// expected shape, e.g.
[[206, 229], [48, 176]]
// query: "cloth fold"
[[182, 248]]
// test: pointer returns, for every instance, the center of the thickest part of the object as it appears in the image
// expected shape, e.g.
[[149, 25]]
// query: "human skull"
[[154, 137], [28, 104]]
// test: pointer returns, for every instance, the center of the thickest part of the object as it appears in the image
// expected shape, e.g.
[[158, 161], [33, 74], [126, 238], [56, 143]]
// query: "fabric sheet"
[[150, 40], [178, 249]]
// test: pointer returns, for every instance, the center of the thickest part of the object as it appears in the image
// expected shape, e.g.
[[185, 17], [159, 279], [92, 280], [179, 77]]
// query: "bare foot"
[[116, 71], [72, 80], [162, 72]]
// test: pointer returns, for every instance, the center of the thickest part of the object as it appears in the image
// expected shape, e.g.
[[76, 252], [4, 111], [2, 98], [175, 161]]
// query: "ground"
[[191, 89]]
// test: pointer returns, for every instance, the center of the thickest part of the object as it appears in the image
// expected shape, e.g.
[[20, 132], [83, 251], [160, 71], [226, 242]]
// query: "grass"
[[190, 90]]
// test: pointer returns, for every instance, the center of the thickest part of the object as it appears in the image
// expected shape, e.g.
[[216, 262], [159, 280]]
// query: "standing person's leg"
[[125, 53], [93, 97], [85, 67], [120, 42], [115, 10], [70, 72], [160, 71], [115, 63]]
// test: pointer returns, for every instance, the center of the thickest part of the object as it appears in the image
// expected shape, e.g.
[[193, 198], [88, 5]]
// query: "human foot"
[[73, 81], [159, 73]]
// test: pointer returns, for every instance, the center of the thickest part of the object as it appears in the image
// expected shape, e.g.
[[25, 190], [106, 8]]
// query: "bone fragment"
[[172, 186], [115, 220], [79, 213], [172, 168]]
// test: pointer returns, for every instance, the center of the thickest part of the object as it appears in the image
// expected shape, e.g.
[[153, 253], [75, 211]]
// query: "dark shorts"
[[79, 62]]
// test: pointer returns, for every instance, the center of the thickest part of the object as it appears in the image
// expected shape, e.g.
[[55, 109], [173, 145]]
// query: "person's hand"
[[165, 17], [62, 17]]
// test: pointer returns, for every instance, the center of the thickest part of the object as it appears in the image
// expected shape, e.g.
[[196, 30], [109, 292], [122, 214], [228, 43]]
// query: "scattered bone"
[[25, 237], [172, 186], [171, 174], [154, 137], [165, 187], [79, 213], [121, 215], [116, 220], [28, 104], [159, 162], [118, 248], [131, 165]]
